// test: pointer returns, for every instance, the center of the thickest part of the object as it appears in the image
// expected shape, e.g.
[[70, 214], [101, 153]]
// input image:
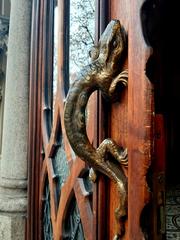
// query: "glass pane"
[[4, 31], [87, 183], [82, 24], [73, 227], [61, 169], [89, 188], [47, 224], [55, 53]]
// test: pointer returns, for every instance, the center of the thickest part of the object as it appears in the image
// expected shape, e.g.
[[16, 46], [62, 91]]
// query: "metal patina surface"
[[103, 73]]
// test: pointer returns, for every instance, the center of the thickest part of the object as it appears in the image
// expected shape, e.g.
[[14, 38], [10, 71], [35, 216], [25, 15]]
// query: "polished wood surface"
[[131, 118], [118, 116], [34, 140], [140, 119]]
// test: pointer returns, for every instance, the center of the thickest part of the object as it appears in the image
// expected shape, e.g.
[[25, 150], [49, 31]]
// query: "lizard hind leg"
[[115, 172], [108, 145]]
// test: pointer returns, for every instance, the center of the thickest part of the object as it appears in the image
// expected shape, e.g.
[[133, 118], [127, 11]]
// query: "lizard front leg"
[[109, 145], [121, 78]]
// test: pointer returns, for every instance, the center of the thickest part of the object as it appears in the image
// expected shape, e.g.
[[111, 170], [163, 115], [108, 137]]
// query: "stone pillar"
[[13, 168]]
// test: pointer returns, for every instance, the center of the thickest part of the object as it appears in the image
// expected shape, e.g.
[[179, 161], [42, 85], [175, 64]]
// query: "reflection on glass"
[[55, 53], [82, 23], [61, 169], [47, 224]]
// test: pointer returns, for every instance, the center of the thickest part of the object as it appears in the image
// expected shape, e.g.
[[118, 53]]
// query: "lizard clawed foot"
[[116, 237], [120, 232], [121, 78], [92, 175], [123, 158]]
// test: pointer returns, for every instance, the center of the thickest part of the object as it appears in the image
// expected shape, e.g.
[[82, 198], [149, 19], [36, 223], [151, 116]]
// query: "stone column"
[[13, 168]]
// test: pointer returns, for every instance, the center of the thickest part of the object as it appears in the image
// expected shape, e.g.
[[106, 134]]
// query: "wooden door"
[[63, 202], [131, 125]]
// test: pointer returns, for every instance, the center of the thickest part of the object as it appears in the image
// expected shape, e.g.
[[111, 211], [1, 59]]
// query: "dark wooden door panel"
[[131, 119], [63, 201], [140, 117]]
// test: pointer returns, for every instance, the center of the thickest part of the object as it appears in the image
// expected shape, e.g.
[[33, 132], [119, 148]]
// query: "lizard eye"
[[114, 43], [94, 53]]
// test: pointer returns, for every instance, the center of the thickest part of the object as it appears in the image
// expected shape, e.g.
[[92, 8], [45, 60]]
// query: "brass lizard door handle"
[[102, 73]]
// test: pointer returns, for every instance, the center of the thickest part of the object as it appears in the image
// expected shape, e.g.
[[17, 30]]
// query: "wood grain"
[[118, 116], [140, 117]]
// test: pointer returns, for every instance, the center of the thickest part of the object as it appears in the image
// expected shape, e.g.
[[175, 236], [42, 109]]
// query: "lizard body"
[[103, 74]]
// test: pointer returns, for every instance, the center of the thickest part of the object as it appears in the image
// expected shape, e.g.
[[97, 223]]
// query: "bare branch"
[[87, 29]]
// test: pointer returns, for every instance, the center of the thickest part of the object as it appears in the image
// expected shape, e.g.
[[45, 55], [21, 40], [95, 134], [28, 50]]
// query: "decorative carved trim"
[[4, 32], [13, 205], [13, 183]]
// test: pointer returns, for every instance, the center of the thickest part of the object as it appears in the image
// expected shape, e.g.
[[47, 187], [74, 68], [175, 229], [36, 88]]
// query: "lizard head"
[[112, 44]]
